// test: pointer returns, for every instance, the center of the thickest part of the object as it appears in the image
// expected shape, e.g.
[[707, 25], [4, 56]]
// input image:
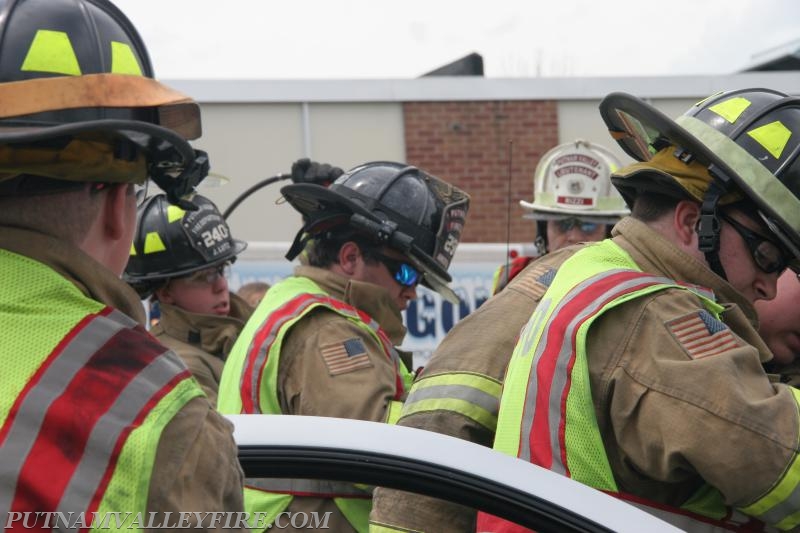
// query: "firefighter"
[[97, 415], [181, 259], [642, 374], [322, 341], [459, 392], [573, 202]]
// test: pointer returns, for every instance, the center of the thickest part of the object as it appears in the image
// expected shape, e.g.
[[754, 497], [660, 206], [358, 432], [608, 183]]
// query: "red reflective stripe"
[[275, 320], [488, 523], [539, 437], [9, 422], [157, 397], [61, 441], [290, 308]]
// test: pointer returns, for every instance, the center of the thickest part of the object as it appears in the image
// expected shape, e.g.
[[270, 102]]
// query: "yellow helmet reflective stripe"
[[731, 109], [153, 243], [174, 213], [773, 137], [123, 60], [52, 51]]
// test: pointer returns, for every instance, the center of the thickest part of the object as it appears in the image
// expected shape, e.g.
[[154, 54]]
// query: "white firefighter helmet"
[[574, 179]]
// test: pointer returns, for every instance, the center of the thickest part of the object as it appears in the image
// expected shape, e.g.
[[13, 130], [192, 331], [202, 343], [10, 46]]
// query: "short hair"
[[323, 250], [66, 215], [651, 206]]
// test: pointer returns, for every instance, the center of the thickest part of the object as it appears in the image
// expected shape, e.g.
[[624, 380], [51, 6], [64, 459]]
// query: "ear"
[[349, 258], [684, 220], [114, 211]]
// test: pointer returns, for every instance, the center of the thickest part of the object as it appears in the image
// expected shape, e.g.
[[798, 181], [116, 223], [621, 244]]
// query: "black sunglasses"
[[403, 273], [767, 254]]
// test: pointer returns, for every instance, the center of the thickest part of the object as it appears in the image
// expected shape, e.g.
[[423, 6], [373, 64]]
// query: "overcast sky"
[[357, 39]]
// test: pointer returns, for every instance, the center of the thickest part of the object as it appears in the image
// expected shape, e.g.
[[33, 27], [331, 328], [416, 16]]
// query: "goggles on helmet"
[[566, 224], [768, 256], [403, 273]]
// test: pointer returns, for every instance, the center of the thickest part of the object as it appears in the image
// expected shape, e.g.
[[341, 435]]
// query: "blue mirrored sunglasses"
[[566, 224], [403, 273]]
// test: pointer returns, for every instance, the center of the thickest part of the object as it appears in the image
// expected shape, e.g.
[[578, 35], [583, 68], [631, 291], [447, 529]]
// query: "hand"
[[306, 171]]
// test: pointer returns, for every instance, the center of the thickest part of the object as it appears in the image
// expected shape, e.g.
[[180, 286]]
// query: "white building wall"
[[256, 128]]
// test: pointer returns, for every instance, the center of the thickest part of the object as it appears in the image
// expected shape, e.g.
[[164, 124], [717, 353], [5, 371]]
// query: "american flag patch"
[[536, 282], [344, 357], [702, 335]]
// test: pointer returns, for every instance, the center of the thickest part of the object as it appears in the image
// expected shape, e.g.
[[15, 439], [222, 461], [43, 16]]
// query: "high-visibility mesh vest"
[[85, 393], [249, 384], [547, 413]]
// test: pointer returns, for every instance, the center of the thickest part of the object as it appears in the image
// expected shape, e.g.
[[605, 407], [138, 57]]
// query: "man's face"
[[378, 273], [780, 319], [204, 292], [738, 260], [572, 230]]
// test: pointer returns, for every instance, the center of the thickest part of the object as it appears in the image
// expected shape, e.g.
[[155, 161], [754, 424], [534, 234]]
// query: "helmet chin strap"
[[708, 229]]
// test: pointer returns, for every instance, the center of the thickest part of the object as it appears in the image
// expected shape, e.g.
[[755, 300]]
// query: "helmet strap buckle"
[[683, 155], [708, 228]]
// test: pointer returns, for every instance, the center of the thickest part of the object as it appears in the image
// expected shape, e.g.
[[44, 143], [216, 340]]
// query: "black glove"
[[307, 171]]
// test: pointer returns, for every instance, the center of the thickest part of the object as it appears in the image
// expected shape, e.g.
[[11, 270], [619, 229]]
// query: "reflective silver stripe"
[[28, 421], [89, 472], [560, 375], [455, 392], [309, 487]]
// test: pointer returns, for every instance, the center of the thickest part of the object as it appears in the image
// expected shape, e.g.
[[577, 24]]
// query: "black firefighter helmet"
[[79, 102], [170, 242], [401, 206], [731, 144]]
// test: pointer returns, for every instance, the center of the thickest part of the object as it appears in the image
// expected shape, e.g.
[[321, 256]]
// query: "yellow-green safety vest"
[[86, 393], [546, 412], [249, 384]]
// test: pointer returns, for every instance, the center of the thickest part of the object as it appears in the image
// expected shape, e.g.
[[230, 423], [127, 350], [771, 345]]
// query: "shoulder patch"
[[345, 356], [701, 335]]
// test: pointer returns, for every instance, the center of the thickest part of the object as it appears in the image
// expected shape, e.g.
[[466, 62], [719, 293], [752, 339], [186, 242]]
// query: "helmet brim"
[[538, 212], [174, 165]]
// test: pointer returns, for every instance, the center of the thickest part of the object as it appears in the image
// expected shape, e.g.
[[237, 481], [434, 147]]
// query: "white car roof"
[[425, 446]]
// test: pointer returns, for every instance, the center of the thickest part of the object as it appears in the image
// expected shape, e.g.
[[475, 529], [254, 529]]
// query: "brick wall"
[[467, 143]]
